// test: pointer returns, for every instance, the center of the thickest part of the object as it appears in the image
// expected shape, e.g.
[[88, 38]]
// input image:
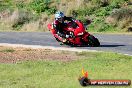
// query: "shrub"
[[121, 13], [103, 11], [121, 17], [40, 6], [100, 3], [23, 17], [6, 4], [20, 4], [85, 11], [101, 27]]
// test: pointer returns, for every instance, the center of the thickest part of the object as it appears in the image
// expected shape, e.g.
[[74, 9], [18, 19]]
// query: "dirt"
[[14, 55]]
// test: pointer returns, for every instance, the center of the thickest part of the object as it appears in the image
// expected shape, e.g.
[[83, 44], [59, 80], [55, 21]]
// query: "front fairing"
[[77, 28], [50, 27]]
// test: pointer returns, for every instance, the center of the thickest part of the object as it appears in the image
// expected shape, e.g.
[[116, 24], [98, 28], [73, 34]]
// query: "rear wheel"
[[93, 41]]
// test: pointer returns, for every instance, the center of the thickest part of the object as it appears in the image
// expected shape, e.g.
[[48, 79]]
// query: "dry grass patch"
[[13, 55]]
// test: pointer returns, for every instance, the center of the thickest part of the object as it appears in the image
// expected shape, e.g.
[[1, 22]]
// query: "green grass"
[[57, 74], [7, 50]]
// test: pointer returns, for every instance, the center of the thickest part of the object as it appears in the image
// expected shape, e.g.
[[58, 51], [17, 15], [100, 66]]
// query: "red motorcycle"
[[78, 34]]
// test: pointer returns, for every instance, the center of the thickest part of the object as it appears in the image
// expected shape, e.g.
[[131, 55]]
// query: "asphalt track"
[[120, 43]]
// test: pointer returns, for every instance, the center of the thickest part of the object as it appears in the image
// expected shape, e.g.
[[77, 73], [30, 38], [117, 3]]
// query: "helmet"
[[59, 15]]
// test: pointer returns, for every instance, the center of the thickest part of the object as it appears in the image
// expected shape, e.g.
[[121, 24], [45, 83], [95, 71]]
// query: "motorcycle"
[[78, 34]]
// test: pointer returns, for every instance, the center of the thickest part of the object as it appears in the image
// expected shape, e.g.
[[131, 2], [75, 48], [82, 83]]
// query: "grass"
[[7, 50], [57, 74]]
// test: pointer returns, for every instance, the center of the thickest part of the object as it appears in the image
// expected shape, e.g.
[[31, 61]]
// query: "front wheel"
[[93, 41], [57, 39]]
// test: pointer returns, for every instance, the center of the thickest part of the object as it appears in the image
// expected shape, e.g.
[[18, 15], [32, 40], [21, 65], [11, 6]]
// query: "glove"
[[64, 40], [67, 36]]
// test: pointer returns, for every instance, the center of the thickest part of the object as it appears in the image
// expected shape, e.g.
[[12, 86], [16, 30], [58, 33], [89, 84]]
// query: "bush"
[[122, 18], [39, 6], [23, 17], [100, 3], [20, 4], [121, 13], [103, 11], [101, 27], [6, 4], [85, 11]]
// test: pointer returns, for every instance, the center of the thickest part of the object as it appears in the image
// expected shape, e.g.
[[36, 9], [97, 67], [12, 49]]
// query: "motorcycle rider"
[[59, 23]]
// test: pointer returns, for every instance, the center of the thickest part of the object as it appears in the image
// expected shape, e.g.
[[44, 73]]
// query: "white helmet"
[[59, 15]]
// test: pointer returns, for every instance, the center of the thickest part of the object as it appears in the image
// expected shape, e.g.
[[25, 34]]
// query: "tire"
[[94, 42], [57, 39], [97, 42]]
